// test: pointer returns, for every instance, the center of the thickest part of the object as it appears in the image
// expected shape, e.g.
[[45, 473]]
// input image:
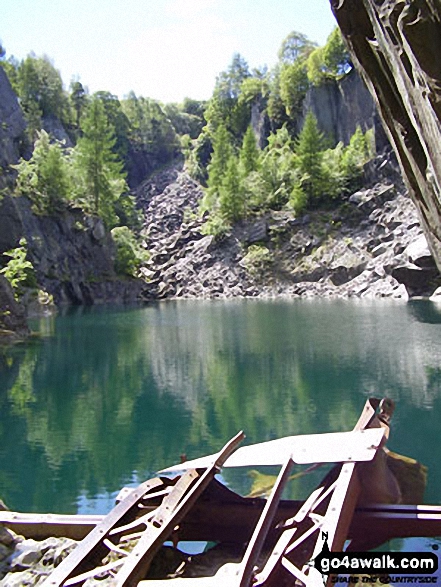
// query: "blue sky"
[[163, 49]]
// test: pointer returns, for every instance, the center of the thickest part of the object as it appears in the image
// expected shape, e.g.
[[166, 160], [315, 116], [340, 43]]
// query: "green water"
[[105, 397]]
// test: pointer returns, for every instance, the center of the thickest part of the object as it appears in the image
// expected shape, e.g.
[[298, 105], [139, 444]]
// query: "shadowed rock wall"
[[12, 128], [341, 106], [396, 46]]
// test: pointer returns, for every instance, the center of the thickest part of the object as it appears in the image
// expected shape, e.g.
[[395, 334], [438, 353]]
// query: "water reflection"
[[107, 397]]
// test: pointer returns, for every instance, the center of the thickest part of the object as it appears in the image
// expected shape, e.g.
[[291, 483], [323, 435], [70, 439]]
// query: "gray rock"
[[72, 254], [419, 254], [395, 47], [12, 129]]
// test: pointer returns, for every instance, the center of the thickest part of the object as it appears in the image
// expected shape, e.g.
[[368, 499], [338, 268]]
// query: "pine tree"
[[249, 153], [222, 151], [231, 200], [309, 150], [100, 179]]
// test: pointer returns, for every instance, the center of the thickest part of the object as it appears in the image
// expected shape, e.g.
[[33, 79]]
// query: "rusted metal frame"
[[90, 546], [345, 492], [90, 574], [137, 563], [397, 521], [231, 521], [290, 538], [246, 569], [170, 503], [146, 518], [284, 544]]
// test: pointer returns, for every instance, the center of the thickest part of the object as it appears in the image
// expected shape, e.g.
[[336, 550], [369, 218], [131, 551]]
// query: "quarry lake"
[[105, 397]]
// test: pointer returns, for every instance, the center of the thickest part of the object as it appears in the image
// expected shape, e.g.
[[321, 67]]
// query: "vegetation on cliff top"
[[105, 138]]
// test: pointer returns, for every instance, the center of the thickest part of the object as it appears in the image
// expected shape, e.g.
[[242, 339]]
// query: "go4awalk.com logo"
[[377, 567], [363, 562]]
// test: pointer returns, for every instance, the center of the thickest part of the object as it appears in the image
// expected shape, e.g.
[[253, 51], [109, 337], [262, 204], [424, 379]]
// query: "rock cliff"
[[13, 324], [396, 45], [12, 128], [340, 106], [71, 252], [373, 246]]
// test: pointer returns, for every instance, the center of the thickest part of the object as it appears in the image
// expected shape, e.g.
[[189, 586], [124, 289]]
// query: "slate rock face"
[[341, 106], [396, 46], [12, 319], [71, 252], [12, 127]]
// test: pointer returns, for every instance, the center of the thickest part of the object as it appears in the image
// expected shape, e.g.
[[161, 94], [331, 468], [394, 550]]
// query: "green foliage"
[[231, 200], [253, 89], [45, 178], [222, 152], [199, 156], [40, 89], [185, 123], [329, 62], [257, 260], [293, 87], [127, 212], [309, 151], [249, 153], [99, 179], [336, 57], [225, 108], [276, 107], [19, 271], [150, 130], [78, 99], [333, 172], [118, 122], [355, 156], [129, 253], [277, 169], [296, 46], [315, 67], [216, 226], [298, 200]]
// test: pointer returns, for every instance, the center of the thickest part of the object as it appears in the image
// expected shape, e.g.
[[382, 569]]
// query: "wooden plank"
[[334, 447]]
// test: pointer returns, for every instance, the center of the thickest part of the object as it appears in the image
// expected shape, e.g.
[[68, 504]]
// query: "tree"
[[309, 149], [336, 57], [296, 46], [45, 178], [249, 153], [129, 254], [150, 130], [78, 98], [331, 61], [354, 157], [224, 107], [100, 180], [40, 83], [276, 170], [222, 152], [231, 201], [293, 87], [276, 107]]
